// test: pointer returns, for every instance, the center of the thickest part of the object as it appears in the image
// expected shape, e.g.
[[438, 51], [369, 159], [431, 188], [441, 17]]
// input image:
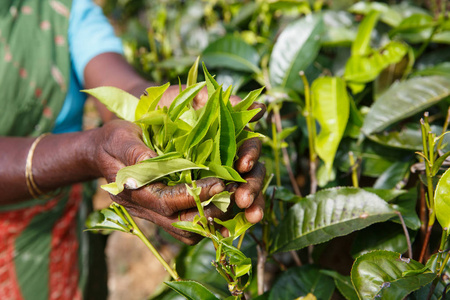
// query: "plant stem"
[[354, 168], [260, 268], [137, 232], [311, 126], [287, 163], [276, 153], [405, 230]]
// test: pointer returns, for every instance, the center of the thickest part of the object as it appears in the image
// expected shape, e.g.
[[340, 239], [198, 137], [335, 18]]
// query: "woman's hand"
[[120, 145]]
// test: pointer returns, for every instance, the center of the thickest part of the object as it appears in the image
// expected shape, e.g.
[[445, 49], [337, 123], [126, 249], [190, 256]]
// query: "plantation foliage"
[[357, 201]]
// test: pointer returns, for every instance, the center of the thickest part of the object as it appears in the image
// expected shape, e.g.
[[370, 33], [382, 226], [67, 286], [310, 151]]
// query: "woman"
[[49, 51]]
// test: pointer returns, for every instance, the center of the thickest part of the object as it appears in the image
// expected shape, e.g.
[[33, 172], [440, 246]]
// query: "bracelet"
[[34, 191]]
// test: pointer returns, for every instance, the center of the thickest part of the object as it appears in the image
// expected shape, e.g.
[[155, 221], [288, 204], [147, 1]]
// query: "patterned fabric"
[[40, 242]]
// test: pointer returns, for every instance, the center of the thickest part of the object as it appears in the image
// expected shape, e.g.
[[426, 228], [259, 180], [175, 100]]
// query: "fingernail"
[[215, 189], [131, 184]]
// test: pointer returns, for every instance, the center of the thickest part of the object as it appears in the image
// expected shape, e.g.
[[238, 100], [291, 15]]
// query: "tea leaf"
[[248, 100], [232, 52], [405, 99], [223, 172], [203, 151], [221, 201], [301, 281], [331, 109], [193, 73], [179, 103], [241, 119], [146, 172], [207, 117], [328, 214], [236, 226], [379, 274], [116, 100], [361, 45], [227, 137], [343, 284], [191, 290], [442, 200], [105, 219], [149, 100], [211, 83], [155, 117], [295, 49]]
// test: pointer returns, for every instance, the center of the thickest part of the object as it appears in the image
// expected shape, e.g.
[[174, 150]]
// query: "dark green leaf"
[[393, 177], [379, 274], [191, 290], [296, 48], [328, 214], [414, 23], [300, 281], [405, 99], [232, 52], [343, 284]]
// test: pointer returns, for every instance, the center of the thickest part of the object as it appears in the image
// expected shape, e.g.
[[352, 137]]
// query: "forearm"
[[57, 161]]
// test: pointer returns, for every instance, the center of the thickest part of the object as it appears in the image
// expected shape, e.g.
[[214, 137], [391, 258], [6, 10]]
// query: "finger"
[[248, 155], [261, 113], [168, 200], [235, 100], [200, 99], [247, 192], [255, 212]]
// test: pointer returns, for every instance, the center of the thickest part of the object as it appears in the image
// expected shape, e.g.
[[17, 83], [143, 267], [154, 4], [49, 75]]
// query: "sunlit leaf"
[[180, 102], [379, 274], [149, 101], [405, 99], [105, 219], [328, 214], [193, 73], [116, 100], [138, 175], [361, 44], [236, 226], [220, 200], [388, 15], [442, 200], [331, 110]]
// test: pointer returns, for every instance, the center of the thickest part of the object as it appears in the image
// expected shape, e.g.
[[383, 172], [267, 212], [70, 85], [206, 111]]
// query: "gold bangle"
[[34, 191]]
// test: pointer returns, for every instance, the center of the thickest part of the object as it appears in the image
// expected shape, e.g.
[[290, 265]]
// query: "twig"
[[260, 268], [405, 230]]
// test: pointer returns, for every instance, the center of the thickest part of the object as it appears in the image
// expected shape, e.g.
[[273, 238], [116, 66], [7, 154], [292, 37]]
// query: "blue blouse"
[[90, 34]]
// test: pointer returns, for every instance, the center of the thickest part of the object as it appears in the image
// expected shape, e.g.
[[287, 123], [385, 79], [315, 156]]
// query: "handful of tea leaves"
[[191, 144]]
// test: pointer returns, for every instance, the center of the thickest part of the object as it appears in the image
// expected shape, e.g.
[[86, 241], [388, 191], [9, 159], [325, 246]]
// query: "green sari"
[[43, 252]]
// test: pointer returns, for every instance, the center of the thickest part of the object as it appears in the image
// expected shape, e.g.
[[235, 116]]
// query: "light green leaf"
[[295, 49], [413, 24], [378, 274], [331, 110], [442, 200], [248, 100], [116, 100], [236, 226], [403, 100], [388, 15], [193, 73], [227, 138], [223, 172], [203, 151], [191, 227], [208, 116], [328, 214], [231, 52], [105, 219], [191, 290], [180, 102], [138, 175], [149, 100], [211, 83], [154, 117], [221, 201], [361, 44], [241, 119], [365, 68]]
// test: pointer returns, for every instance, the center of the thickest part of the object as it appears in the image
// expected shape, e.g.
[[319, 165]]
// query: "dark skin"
[[101, 152]]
